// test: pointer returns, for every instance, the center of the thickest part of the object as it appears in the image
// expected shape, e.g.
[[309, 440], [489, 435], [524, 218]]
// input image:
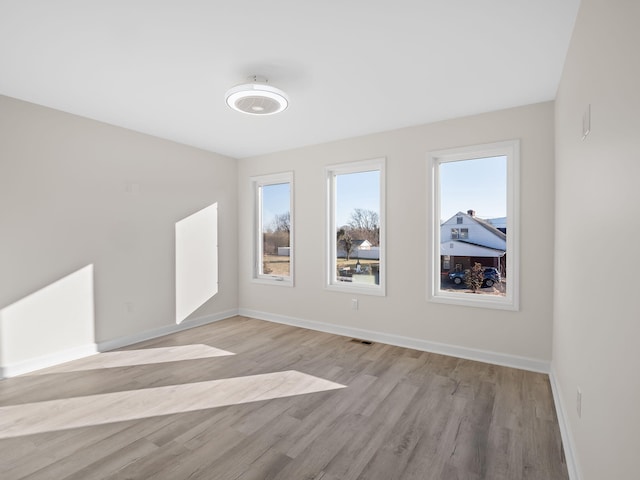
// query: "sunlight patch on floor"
[[145, 356], [76, 412]]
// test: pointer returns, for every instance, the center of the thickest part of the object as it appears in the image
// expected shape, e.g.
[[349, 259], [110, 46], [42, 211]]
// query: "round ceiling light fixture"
[[257, 97]]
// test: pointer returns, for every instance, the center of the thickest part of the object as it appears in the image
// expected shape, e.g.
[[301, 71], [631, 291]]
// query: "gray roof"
[[482, 223]]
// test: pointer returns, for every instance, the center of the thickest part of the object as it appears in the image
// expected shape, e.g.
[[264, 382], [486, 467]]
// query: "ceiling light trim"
[[257, 98]]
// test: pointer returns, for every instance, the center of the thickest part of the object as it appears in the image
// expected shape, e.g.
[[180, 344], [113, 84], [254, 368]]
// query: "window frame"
[[257, 182], [331, 172], [511, 150]]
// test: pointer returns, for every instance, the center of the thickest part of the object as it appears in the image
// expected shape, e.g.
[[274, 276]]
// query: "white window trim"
[[256, 183], [330, 243], [510, 149]]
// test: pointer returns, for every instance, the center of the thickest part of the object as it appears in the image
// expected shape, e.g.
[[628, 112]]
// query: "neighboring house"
[[361, 245], [361, 249], [500, 223], [466, 239]]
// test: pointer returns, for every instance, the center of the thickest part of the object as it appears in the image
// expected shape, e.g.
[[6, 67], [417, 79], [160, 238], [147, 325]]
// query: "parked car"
[[491, 276]]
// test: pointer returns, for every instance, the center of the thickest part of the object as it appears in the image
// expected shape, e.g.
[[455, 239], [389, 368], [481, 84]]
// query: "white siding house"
[[361, 249], [465, 238], [468, 228]]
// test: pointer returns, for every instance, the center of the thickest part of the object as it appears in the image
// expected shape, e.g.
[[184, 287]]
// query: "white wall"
[[596, 341], [405, 310], [76, 193]]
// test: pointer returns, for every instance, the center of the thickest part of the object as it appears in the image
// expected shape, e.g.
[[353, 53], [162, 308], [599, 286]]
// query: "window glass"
[[274, 228], [475, 187], [356, 256]]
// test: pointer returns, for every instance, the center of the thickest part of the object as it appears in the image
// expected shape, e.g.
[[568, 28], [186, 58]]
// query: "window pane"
[[357, 228], [276, 229], [473, 197]]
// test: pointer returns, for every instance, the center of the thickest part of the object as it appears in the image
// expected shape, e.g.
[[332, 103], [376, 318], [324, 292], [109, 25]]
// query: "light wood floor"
[[251, 400]]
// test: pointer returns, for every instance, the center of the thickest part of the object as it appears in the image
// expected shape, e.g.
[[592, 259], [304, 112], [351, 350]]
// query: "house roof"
[[485, 224], [359, 243]]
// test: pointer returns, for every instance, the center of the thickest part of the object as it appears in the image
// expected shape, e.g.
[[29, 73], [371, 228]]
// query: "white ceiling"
[[350, 67]]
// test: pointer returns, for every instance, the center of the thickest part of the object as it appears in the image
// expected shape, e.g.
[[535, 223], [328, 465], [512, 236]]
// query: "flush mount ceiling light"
[[257, 97]]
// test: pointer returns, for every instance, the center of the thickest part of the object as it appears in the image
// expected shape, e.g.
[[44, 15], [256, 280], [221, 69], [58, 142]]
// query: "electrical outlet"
[[579, 402], [354, 304]]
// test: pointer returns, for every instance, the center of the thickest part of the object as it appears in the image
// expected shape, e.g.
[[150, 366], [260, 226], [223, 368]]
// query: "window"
[[355, 227], [459, 233], [273, 245], [476, 187]]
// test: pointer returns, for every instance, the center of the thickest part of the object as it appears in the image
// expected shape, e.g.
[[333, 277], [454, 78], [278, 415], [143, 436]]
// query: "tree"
[[474, 277], [345, 239], [362, 219], [365, 225], [278, 233], [282, 222]]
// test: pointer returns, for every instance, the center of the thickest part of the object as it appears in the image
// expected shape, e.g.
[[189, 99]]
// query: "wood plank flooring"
[[244, 399]]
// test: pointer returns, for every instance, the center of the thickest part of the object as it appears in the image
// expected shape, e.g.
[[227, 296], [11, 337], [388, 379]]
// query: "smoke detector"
[[257, 97]]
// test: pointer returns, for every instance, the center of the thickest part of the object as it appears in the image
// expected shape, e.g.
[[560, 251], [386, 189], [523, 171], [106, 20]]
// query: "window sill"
[[277, 281], [477, 300]]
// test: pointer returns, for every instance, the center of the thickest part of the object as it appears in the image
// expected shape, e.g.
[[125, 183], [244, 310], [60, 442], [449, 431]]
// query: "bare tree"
[[362, 219], [277, 234], [282, 222], [365, 225]]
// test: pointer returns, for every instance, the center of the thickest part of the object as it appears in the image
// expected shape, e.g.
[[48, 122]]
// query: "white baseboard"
[[33, 364], [565, 430], [49, 360], [495, 358], [166, 330], [514, 361]]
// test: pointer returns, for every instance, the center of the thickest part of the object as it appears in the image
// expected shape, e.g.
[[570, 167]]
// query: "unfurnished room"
[[341, 240]]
